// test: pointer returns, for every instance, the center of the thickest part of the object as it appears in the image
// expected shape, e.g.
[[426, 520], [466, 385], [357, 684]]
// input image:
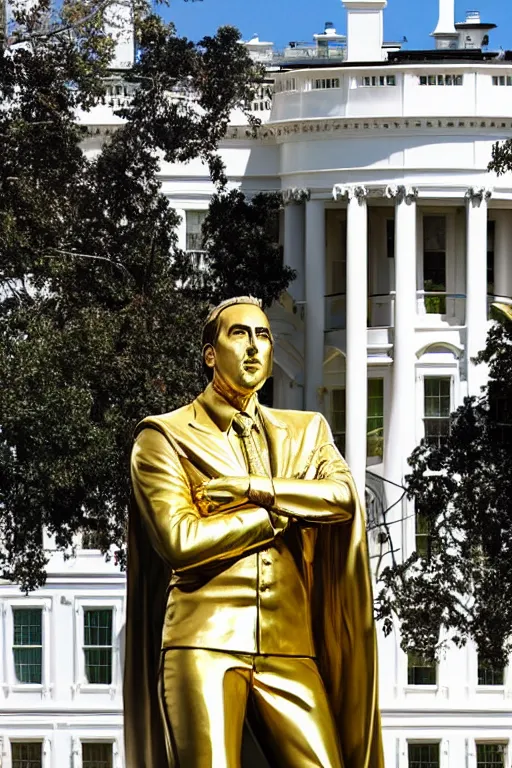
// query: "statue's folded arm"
[[178, 532]]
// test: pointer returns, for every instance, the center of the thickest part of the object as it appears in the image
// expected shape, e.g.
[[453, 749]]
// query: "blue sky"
[[283, 20]]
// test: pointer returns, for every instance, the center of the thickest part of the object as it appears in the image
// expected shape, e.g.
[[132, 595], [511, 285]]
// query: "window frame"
[[424, 742], [450, 405], [203, 213], [422, 686], [115, 603], [44, 741], [11, 683], [487, 687], [111, 742], [493, 742]]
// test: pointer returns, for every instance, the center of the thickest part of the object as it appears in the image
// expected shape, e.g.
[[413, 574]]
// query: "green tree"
[[242, 240], [460, 586], [99, 320]]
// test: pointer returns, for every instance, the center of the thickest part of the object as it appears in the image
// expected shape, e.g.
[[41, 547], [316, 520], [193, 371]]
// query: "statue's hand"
[[223, 494]]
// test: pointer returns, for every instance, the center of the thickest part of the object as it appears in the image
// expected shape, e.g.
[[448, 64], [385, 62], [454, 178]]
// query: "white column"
[[294, 232], [356, 407], [503, 254], [399, 431], [314, 272], [181, 229], [476, 284]]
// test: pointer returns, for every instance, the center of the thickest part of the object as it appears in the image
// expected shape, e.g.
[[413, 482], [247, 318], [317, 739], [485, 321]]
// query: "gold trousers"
[[204, 696]]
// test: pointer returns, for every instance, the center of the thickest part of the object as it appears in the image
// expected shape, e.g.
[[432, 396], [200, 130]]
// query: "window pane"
[[423, 755], [98, 627], [437, 409], [420, 671], [194, 223], [26, 755], [98, 645], [96, 755], [375, 421], [27, 644], [27, 626], [423, 542], [28, 665], [490, 755]]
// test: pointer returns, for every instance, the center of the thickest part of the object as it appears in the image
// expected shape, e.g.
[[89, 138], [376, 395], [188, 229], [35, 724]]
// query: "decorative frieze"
[[311, 127]]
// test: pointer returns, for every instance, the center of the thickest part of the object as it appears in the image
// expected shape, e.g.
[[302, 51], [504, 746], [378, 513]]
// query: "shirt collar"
[[221, 412]]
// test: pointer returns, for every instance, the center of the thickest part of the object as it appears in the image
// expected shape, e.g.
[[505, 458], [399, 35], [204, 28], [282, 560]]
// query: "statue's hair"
[[212, 325]]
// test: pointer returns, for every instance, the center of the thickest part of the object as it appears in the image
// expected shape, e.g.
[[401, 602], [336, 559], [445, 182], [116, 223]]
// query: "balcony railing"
[[442, 306]]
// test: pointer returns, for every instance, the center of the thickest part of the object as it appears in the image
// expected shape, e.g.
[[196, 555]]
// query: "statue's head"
[[238, 344]]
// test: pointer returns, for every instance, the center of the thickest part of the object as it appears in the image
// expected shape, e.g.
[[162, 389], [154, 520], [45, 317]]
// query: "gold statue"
[[248, 577]]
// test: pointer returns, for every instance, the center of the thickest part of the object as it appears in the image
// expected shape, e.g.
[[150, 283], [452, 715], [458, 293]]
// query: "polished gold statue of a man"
[[248, 578]]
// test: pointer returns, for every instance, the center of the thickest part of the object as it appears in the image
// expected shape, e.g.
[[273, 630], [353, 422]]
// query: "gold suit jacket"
[[226, 582]]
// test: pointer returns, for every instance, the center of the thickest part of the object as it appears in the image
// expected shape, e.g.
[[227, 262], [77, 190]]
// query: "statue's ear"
[[209, 356]]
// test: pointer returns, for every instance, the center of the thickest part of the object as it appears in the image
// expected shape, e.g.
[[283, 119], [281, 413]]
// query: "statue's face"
[[242, 355]]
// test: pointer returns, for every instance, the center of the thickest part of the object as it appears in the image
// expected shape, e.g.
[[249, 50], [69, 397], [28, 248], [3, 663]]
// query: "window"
[[441, 79], [263, 98], [434, 263], [423, 538], [338, 418], [502, 80], [27, 645], [290, 84], [490, 755], [194, 224], [26, 754], [423, 755], [330, 82], [489, 675], [97, 755], [98, 645], [491, 233], [375, 421], [390, 238], [378, 81], [375, 418], [437, 409], [420, 671], [91, 540]]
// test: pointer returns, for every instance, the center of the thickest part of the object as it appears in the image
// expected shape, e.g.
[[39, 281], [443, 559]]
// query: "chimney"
[[365, 29], [445, 34]]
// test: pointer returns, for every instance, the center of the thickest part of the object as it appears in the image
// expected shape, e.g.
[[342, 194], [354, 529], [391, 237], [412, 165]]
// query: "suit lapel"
[[278, 439], [209, 447]]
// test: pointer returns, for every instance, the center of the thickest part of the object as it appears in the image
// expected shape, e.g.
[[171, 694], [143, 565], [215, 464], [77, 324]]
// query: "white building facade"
[[401, 239]]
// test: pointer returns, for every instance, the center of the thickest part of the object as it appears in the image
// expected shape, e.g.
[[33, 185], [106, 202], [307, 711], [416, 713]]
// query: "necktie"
[[243, 426]]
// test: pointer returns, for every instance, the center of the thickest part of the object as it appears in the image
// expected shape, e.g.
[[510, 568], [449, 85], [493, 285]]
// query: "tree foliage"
[[99, 322], [242, 240], [461, 586]]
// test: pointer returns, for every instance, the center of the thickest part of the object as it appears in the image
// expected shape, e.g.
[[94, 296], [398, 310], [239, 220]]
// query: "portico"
[[383, 227]]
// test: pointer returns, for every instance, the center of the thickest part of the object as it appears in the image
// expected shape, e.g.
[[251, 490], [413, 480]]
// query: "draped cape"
[[336, 567]]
